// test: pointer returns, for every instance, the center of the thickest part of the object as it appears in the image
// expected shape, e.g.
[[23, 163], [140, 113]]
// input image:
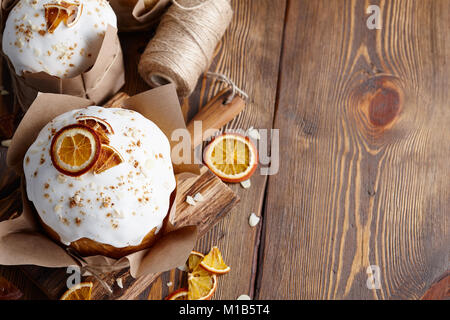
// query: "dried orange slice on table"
[[66, 12], [194, 260], [213, 262], [202, 276], [75, 149], [180, 294], [81, 291], [232, 157], [191, 264], [201, 284]]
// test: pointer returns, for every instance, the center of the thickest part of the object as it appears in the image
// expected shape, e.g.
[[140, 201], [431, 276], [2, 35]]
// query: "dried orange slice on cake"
[[213, 262], [66, 12], [100, 126], [81, 291], [232, 157], [109, 157], [180, 294], [201, 284], [75, 149]]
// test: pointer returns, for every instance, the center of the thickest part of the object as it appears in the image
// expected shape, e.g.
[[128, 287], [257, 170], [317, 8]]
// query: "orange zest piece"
[[201, 284], [81, 291], [75, 149], [213, 262], [180, 294], [100, 126], [66, 12], [232, 157], [109, 158]]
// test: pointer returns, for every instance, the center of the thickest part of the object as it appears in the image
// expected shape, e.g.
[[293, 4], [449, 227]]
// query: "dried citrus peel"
[[194, 260], [232, 157], [81, 291], [213, 262], [66, 12], [75, 149], [101, 126], [180, 294], [201, 284], [78, 148], [109, 157]]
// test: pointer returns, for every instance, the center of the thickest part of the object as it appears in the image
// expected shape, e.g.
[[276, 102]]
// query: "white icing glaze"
[[66, 52], [118, 206]]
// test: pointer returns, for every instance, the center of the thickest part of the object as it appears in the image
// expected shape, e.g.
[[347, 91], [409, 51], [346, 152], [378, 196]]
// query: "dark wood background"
[[364, 177]]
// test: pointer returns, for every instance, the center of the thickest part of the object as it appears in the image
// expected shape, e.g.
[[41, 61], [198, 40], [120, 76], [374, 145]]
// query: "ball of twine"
[[184, 44]]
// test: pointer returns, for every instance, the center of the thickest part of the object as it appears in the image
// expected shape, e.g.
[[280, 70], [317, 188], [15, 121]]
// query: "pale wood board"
[[364, 141]]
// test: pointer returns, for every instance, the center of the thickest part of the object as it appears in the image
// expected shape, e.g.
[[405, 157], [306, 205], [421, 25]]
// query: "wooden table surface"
[[364, 177]]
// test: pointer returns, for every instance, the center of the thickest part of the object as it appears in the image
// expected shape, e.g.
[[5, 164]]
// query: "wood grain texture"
[[217, 113], [249, 54], [364, 177], [363, 118]]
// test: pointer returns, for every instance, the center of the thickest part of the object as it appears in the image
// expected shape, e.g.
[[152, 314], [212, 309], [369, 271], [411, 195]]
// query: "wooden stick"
[[214, 115]]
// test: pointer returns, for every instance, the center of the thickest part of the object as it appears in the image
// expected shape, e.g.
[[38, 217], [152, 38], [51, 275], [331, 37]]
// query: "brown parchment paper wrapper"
[[137, 15], [97, 84], [23, 241]]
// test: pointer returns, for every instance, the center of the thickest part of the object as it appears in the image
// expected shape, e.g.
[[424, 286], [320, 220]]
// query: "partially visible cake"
[[61, 38], [101, 180]]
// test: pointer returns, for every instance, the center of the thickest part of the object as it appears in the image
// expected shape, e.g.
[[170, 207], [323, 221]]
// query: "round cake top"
[[116, 204], [61, 38]]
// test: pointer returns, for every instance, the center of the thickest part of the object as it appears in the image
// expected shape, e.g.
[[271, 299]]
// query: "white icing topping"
[[119, 206], [66, 52]]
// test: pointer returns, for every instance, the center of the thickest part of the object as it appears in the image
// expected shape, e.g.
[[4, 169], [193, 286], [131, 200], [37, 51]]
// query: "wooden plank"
[[364, 180], [249, 54]]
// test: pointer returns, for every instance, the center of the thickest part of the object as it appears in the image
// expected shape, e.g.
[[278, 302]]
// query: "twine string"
[[184, 44], [194, 37], [234, 89], [98, 277], [96, 270], [175, 2]]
